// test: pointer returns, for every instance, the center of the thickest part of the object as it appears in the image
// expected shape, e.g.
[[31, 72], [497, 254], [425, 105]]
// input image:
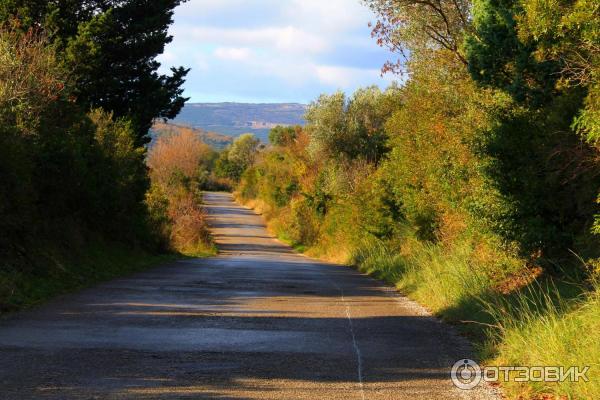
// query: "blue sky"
[[274, 50]]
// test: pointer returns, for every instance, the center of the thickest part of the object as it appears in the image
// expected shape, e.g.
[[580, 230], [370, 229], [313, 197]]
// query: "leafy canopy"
[[111, 47]]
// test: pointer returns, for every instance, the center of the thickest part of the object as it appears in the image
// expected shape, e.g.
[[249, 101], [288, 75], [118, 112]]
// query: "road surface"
[[256, 322]]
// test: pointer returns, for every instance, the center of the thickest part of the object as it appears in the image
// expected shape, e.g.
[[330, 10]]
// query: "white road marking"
[[354, 342]]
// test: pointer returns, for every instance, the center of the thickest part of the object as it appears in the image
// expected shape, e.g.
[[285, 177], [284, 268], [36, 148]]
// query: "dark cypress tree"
[[111, 46]]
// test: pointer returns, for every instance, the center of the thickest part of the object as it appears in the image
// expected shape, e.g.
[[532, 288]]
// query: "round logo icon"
[[465, 374]]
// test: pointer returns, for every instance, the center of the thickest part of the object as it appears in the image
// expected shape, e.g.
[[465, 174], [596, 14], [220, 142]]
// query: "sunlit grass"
[[547, 330], [543, 323], [199, 249]]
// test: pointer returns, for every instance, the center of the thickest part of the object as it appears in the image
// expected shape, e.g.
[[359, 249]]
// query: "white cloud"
[[294, 39], [201, 63], [295, 73], [335, 16], [275, 46], [343, 77], [286, 39], [233, 53]]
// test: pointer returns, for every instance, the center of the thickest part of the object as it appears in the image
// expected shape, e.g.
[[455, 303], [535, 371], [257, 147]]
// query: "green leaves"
[[111, 47], [243, 150], [498, 58], [282, 135], [351, 128]]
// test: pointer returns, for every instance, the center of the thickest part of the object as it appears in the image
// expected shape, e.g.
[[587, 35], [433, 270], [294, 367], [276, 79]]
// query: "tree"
[[122, 181], [415, 27], [351, 128], [282, 135], [178, 166], [496, 57], [225, 168], [537, 161], [566, 32], [243, 150], [179, 157], [60, 165], [327, 125], [235, 159], [111, 46]]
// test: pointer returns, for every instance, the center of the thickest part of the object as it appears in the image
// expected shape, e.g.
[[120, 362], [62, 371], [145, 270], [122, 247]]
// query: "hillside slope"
[[237, 118]]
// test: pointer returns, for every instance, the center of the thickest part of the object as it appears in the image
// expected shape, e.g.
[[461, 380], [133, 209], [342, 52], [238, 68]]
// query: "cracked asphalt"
[[256, 322]]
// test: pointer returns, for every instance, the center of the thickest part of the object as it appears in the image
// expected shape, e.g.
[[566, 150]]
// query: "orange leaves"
[[176, 164], [188, 229], [180, 153]]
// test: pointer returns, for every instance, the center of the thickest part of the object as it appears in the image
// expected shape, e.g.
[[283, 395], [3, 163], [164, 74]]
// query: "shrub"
[[179, 165]]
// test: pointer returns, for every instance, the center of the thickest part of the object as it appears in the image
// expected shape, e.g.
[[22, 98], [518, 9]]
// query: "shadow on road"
[[257, 322]]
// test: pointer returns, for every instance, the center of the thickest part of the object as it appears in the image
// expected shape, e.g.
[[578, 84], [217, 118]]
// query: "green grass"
[[443, 278], [546, 329], [544, 322], [48, 271], [283, 237]]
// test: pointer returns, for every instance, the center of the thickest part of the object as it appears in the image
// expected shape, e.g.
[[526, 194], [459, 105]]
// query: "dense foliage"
[[60, 163], [79, 89], [234, 159], [179, 169], [474, 184], [110, 48]]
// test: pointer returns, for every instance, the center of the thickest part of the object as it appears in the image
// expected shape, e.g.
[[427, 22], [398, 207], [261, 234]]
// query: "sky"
[[264, 51]]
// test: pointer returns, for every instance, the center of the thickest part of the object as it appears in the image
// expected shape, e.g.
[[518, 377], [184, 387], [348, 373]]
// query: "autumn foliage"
[[473, 186], [179, 164]]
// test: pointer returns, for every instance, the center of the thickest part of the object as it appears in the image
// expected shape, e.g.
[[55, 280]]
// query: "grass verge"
[[201, 250], [48, 271], [512, 313], [540, 321]]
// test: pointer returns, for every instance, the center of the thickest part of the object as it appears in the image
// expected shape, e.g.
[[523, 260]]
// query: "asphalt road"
[[256, 322]]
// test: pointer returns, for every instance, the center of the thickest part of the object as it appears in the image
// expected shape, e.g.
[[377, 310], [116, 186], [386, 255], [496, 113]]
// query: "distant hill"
[[217, 140], [236, 118]]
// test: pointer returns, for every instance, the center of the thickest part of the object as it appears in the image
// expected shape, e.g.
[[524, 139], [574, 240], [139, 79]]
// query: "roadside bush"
[[123, 180], [30, 81], [61, 166], [179, 168], [179, 153], [71, 180], [189, 233], [471, 186]]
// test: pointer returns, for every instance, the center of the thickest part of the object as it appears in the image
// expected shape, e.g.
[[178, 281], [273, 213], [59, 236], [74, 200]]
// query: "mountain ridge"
[[236, 118]]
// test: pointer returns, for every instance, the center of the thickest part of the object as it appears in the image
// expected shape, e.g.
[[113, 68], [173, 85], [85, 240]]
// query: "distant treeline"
[[474, 186]]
